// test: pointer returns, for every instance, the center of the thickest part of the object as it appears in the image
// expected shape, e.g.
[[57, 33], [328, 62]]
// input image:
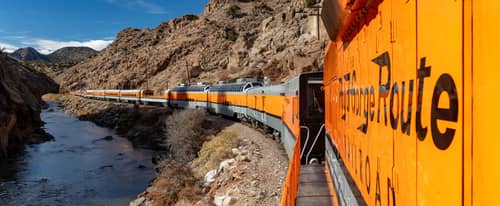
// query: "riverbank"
[[206, 159], [142, 125], [78, 167]]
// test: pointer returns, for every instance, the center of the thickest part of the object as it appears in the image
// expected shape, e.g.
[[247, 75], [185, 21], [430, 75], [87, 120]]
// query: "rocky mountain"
[[56, 62], [71, 54], [21, 89], [230, 39], [63, 55], [28, 54]]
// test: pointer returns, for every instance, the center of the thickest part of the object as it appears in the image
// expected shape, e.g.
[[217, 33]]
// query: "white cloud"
[[149, 7], [8, 47], [45, 46]]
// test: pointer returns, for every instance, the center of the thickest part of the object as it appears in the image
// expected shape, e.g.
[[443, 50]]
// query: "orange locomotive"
[[411, 91]]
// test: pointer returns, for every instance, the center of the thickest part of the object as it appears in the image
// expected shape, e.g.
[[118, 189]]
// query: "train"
[[411, 89], [289, 111], [278, 108], [402, 113]]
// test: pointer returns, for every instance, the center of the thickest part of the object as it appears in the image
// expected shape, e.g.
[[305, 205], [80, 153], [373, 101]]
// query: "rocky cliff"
[[21, 89], [231, 39]]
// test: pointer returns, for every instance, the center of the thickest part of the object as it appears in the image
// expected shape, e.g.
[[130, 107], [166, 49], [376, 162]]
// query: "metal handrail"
[[315, 139], [305, 143]]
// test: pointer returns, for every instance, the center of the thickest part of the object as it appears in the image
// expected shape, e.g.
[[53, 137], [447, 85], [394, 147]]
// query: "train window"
[[315, 103], [256, 84]]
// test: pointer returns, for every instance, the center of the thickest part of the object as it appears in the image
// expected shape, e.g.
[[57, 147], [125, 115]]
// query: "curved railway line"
[[404, 112]]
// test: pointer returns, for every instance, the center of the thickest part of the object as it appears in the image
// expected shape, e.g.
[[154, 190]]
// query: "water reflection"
[[78, 167]]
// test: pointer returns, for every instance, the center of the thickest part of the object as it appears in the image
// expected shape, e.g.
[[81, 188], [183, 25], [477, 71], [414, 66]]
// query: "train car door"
[[312, 104]]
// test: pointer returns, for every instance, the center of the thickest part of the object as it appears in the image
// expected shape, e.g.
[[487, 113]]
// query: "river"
[[78, 167]]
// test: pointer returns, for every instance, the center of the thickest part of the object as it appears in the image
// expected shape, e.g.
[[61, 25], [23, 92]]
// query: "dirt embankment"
[[236, 166], [205, 159]]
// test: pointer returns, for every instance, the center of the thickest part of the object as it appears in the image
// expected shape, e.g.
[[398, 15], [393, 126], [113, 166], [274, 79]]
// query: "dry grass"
[[52, 97], [176, 182], [185, 134], [214, 151]]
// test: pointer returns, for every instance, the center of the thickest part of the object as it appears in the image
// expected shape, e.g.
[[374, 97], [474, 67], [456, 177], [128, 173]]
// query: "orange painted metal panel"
[[228, 99], [440, 145], [290, 116], [290, 188], [403, 69], [358, 118], [394, 85], [485, 109], [188, 96]]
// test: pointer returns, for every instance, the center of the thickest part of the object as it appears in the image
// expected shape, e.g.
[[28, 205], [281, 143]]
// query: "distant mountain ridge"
[[71, 54], [63, 55], [28, 54]]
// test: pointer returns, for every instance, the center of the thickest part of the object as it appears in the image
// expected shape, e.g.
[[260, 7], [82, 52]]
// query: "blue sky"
[[48, 25]]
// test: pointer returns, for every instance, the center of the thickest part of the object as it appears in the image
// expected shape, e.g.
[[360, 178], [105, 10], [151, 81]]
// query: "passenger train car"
[[282, 109]]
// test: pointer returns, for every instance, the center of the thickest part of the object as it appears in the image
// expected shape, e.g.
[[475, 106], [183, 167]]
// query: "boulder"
[[209, 177]]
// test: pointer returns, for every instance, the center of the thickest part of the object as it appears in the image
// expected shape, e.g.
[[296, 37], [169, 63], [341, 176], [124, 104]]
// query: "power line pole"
[[187, 72]]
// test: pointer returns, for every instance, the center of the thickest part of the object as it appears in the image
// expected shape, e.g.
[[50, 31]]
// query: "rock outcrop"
[[231, 39], [21, 89]]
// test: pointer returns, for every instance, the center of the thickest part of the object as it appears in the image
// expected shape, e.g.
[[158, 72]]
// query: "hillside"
[[21, 89], [62, 55], [54, 63], [229, 40], [28, 54], [71, 54]]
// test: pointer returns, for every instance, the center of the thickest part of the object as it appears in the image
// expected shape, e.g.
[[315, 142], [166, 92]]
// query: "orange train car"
[[411, 88]]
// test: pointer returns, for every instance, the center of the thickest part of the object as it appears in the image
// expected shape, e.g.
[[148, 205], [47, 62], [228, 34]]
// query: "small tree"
[[231, 34], [234, 11]]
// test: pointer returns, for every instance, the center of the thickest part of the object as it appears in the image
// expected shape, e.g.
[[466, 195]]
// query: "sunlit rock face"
[[21, 89], [231, 39]]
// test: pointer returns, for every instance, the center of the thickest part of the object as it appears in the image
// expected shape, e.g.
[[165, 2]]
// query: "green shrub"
[[191, 17], [231, 34], [234, 11]]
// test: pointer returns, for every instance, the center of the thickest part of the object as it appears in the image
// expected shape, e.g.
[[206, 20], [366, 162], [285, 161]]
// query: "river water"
[[78, 167]]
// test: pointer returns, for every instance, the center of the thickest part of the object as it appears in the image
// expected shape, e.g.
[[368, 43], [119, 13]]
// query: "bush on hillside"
[[231, 33], [185, 134], [234, 11]]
